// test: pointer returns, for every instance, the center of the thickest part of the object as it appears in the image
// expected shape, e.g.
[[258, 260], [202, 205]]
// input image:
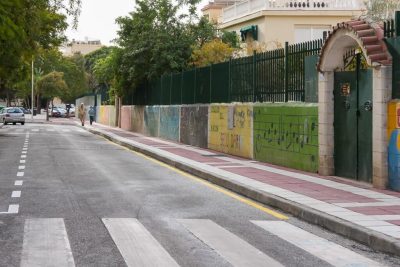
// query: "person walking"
[[82, 113], [92, 114]]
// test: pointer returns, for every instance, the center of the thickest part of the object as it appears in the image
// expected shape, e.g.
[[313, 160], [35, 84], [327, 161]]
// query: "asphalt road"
[[70, 198]]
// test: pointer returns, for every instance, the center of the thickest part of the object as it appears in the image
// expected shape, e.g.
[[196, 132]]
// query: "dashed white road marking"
[[13, 209], [24, 152], [16, 194], [137, 246], [23, 156], [22, 161], [46, 244], [18, 182], [20, 174], [232, 248], [35, 130], [315, 245], [24, 149], [22, 167]]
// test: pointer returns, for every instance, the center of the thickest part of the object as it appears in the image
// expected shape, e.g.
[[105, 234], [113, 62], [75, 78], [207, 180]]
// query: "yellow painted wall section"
[[230, 129], [393, 118]]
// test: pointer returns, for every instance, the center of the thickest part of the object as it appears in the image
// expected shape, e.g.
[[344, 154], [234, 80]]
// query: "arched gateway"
[[353, 90]]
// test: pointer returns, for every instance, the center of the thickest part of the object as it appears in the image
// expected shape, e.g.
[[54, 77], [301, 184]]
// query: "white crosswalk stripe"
[[233, 249], [137, 246], [315, 245], [46, 244]]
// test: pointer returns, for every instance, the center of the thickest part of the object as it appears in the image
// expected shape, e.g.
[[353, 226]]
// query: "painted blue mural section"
[[152, 120], [169, 122], [394, 160]]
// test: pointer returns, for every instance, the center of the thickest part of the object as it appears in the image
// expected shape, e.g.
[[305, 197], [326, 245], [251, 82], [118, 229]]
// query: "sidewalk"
[[354, 210]]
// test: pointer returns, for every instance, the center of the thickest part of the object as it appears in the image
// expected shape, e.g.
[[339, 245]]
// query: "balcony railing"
[[252, 6]]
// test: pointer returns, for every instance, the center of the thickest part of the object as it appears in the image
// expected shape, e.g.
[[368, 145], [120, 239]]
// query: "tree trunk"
[[38, 104], [47, 110]]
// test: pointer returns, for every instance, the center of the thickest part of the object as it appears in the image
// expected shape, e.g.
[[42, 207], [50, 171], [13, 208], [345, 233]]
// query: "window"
[[249, 30], [306, 33]]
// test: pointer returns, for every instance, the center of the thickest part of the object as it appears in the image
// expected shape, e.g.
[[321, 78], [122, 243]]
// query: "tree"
[[26, 26], [211, 52], [379, 10], [91, 60], [154, 40], [51, 85]]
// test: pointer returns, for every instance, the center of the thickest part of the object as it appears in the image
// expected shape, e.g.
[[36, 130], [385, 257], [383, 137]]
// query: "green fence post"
[[210, 83], [229, 80], [181, 87], [286, 71], [254, 75], [170, 89], [195, 85], [161, 91], [397, 23]]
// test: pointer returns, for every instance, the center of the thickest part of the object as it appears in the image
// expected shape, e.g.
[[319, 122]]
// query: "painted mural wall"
[[230, 129], [169, 122], [126, 120], [152, 120], [194, 125], [287, 135], [137, 119], [394, 144], [106, 115]]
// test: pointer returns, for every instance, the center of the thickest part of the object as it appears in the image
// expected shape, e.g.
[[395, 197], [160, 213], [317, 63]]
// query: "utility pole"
[[32, 91]]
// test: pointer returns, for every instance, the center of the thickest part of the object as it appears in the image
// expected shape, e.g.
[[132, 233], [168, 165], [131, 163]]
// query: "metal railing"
[[272, 76], [252, 6]]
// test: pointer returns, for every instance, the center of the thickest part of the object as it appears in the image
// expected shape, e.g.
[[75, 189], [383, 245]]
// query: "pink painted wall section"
[[126, 118]]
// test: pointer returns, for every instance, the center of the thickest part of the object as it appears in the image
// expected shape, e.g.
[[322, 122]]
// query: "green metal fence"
[[392, 38], [273, 76]]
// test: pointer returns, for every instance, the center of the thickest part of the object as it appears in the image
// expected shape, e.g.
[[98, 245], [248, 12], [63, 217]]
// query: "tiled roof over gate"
[[370, 39]]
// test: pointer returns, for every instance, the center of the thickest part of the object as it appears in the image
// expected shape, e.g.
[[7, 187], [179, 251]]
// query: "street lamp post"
[[32, 92]]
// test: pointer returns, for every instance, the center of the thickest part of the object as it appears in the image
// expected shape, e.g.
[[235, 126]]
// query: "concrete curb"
[[373, 239]]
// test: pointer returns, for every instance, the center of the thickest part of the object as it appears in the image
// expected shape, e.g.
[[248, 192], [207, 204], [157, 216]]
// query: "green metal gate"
[[353, 124]]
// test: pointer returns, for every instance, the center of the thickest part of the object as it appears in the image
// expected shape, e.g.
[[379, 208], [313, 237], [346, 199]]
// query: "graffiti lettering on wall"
[[230, 141], [169, 122], [287, 136], [230, 129], [194, 125]]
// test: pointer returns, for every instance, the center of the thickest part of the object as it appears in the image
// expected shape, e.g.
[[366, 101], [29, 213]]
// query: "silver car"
[[12, 115]]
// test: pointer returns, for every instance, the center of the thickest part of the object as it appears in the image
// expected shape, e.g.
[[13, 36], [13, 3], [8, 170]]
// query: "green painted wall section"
[[286, 135]]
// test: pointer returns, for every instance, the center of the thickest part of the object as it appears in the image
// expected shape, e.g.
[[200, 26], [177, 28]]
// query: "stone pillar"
[[325, 123], [381, 95]]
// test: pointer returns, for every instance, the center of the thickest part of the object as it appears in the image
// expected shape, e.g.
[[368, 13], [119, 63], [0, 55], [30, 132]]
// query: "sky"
[[97, 19]]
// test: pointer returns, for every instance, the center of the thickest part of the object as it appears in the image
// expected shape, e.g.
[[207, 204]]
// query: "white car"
[[12, 115]]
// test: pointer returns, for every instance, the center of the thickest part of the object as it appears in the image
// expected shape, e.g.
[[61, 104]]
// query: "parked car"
[[25, 111], [58, 112], [12, 115], [72, 111]]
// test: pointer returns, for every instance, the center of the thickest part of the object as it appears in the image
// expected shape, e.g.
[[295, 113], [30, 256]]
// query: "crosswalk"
[[46, 243]]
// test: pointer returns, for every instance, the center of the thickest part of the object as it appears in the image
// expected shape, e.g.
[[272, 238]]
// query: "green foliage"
[[211, 52], [156, 39], [26, 26], [52, 84], [91, 60], [230, 38]]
